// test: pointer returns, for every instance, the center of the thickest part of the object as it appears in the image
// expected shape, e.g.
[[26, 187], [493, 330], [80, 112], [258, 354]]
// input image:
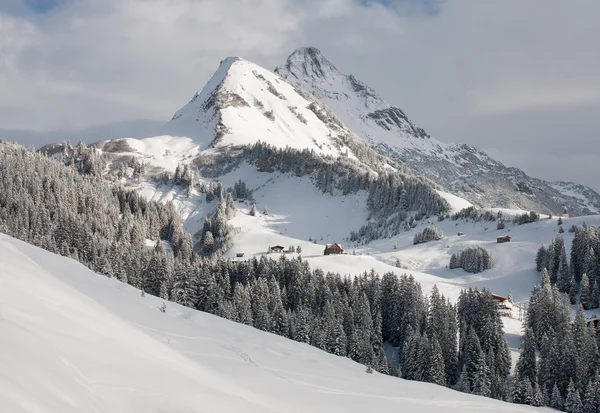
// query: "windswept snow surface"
[[75, 341], [456, 203]]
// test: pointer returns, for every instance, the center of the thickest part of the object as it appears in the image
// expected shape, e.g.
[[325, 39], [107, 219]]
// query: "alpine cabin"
[[503, 239], [334, 248], [501, 301], [276, 248]]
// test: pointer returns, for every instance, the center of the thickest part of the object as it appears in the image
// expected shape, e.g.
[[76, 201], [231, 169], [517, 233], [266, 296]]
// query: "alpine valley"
[[298, 202]]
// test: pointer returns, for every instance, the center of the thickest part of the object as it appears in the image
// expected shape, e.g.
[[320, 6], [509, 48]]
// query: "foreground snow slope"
[[74, 341]]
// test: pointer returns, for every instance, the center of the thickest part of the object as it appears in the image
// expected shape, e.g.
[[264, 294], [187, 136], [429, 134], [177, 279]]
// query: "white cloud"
[[92, 62], [526, 95]]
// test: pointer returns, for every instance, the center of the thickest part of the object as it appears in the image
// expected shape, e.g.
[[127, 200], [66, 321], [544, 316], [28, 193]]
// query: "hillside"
[[461, 169], [249, 124], [78, 341]]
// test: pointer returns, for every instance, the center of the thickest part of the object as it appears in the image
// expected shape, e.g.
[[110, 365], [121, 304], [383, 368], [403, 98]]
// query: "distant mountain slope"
[[76, 341], [247, 115], [461, 169]]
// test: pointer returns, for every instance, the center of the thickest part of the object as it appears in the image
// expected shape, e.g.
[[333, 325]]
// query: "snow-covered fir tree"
[[472, 259]]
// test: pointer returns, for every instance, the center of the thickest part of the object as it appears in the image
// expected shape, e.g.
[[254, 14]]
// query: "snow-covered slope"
[[75, 341], [461, 169]]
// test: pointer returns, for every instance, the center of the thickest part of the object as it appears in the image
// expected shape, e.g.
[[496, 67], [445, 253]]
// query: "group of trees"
[[526, 218], [579, 277], [241, 191], [484, 359], [461, 346], [430, 233], [559, 364], [476, 214], [53, 206], [82, 216], [472, 259], [216, 234]]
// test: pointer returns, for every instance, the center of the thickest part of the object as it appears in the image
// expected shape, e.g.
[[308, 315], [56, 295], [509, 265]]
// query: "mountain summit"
[[462, 169], [309, 63], [357, 104], [243, 103]]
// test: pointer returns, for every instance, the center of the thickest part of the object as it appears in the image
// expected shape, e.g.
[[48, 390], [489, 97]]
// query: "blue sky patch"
[[28, 7]]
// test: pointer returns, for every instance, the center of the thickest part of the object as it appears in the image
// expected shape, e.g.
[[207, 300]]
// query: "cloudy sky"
[[519, 79]]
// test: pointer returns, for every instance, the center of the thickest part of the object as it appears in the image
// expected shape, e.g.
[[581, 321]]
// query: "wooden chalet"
[[503, 239], [239, 254], [334, 248], [501, 301], [276, 248]]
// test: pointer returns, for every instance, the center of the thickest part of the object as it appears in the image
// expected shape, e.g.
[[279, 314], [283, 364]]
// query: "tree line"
[[559, 365], [579, 276], [55, 207]]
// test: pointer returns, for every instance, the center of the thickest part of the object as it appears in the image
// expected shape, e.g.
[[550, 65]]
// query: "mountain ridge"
[[460, 168]]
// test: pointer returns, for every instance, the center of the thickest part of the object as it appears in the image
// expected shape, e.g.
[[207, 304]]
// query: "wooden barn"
[[334, 248], [503, 239], [276, 248]]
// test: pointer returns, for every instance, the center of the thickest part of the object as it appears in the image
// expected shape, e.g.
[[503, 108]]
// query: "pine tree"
[[591, 399], [242, 305], [573, 290], [556, 400], [595, 295], [481, 379], [540, 258], [453, 262], [501, 224], [564, 275], [526, 365], [436, 370], [253, 210], [573, 401], [537, 400], [586, 292]]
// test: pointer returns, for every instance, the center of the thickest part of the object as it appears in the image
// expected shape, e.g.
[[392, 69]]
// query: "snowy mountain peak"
[[243, 103], [309, 62], [211, 87], [346, 95], [462, 169]]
